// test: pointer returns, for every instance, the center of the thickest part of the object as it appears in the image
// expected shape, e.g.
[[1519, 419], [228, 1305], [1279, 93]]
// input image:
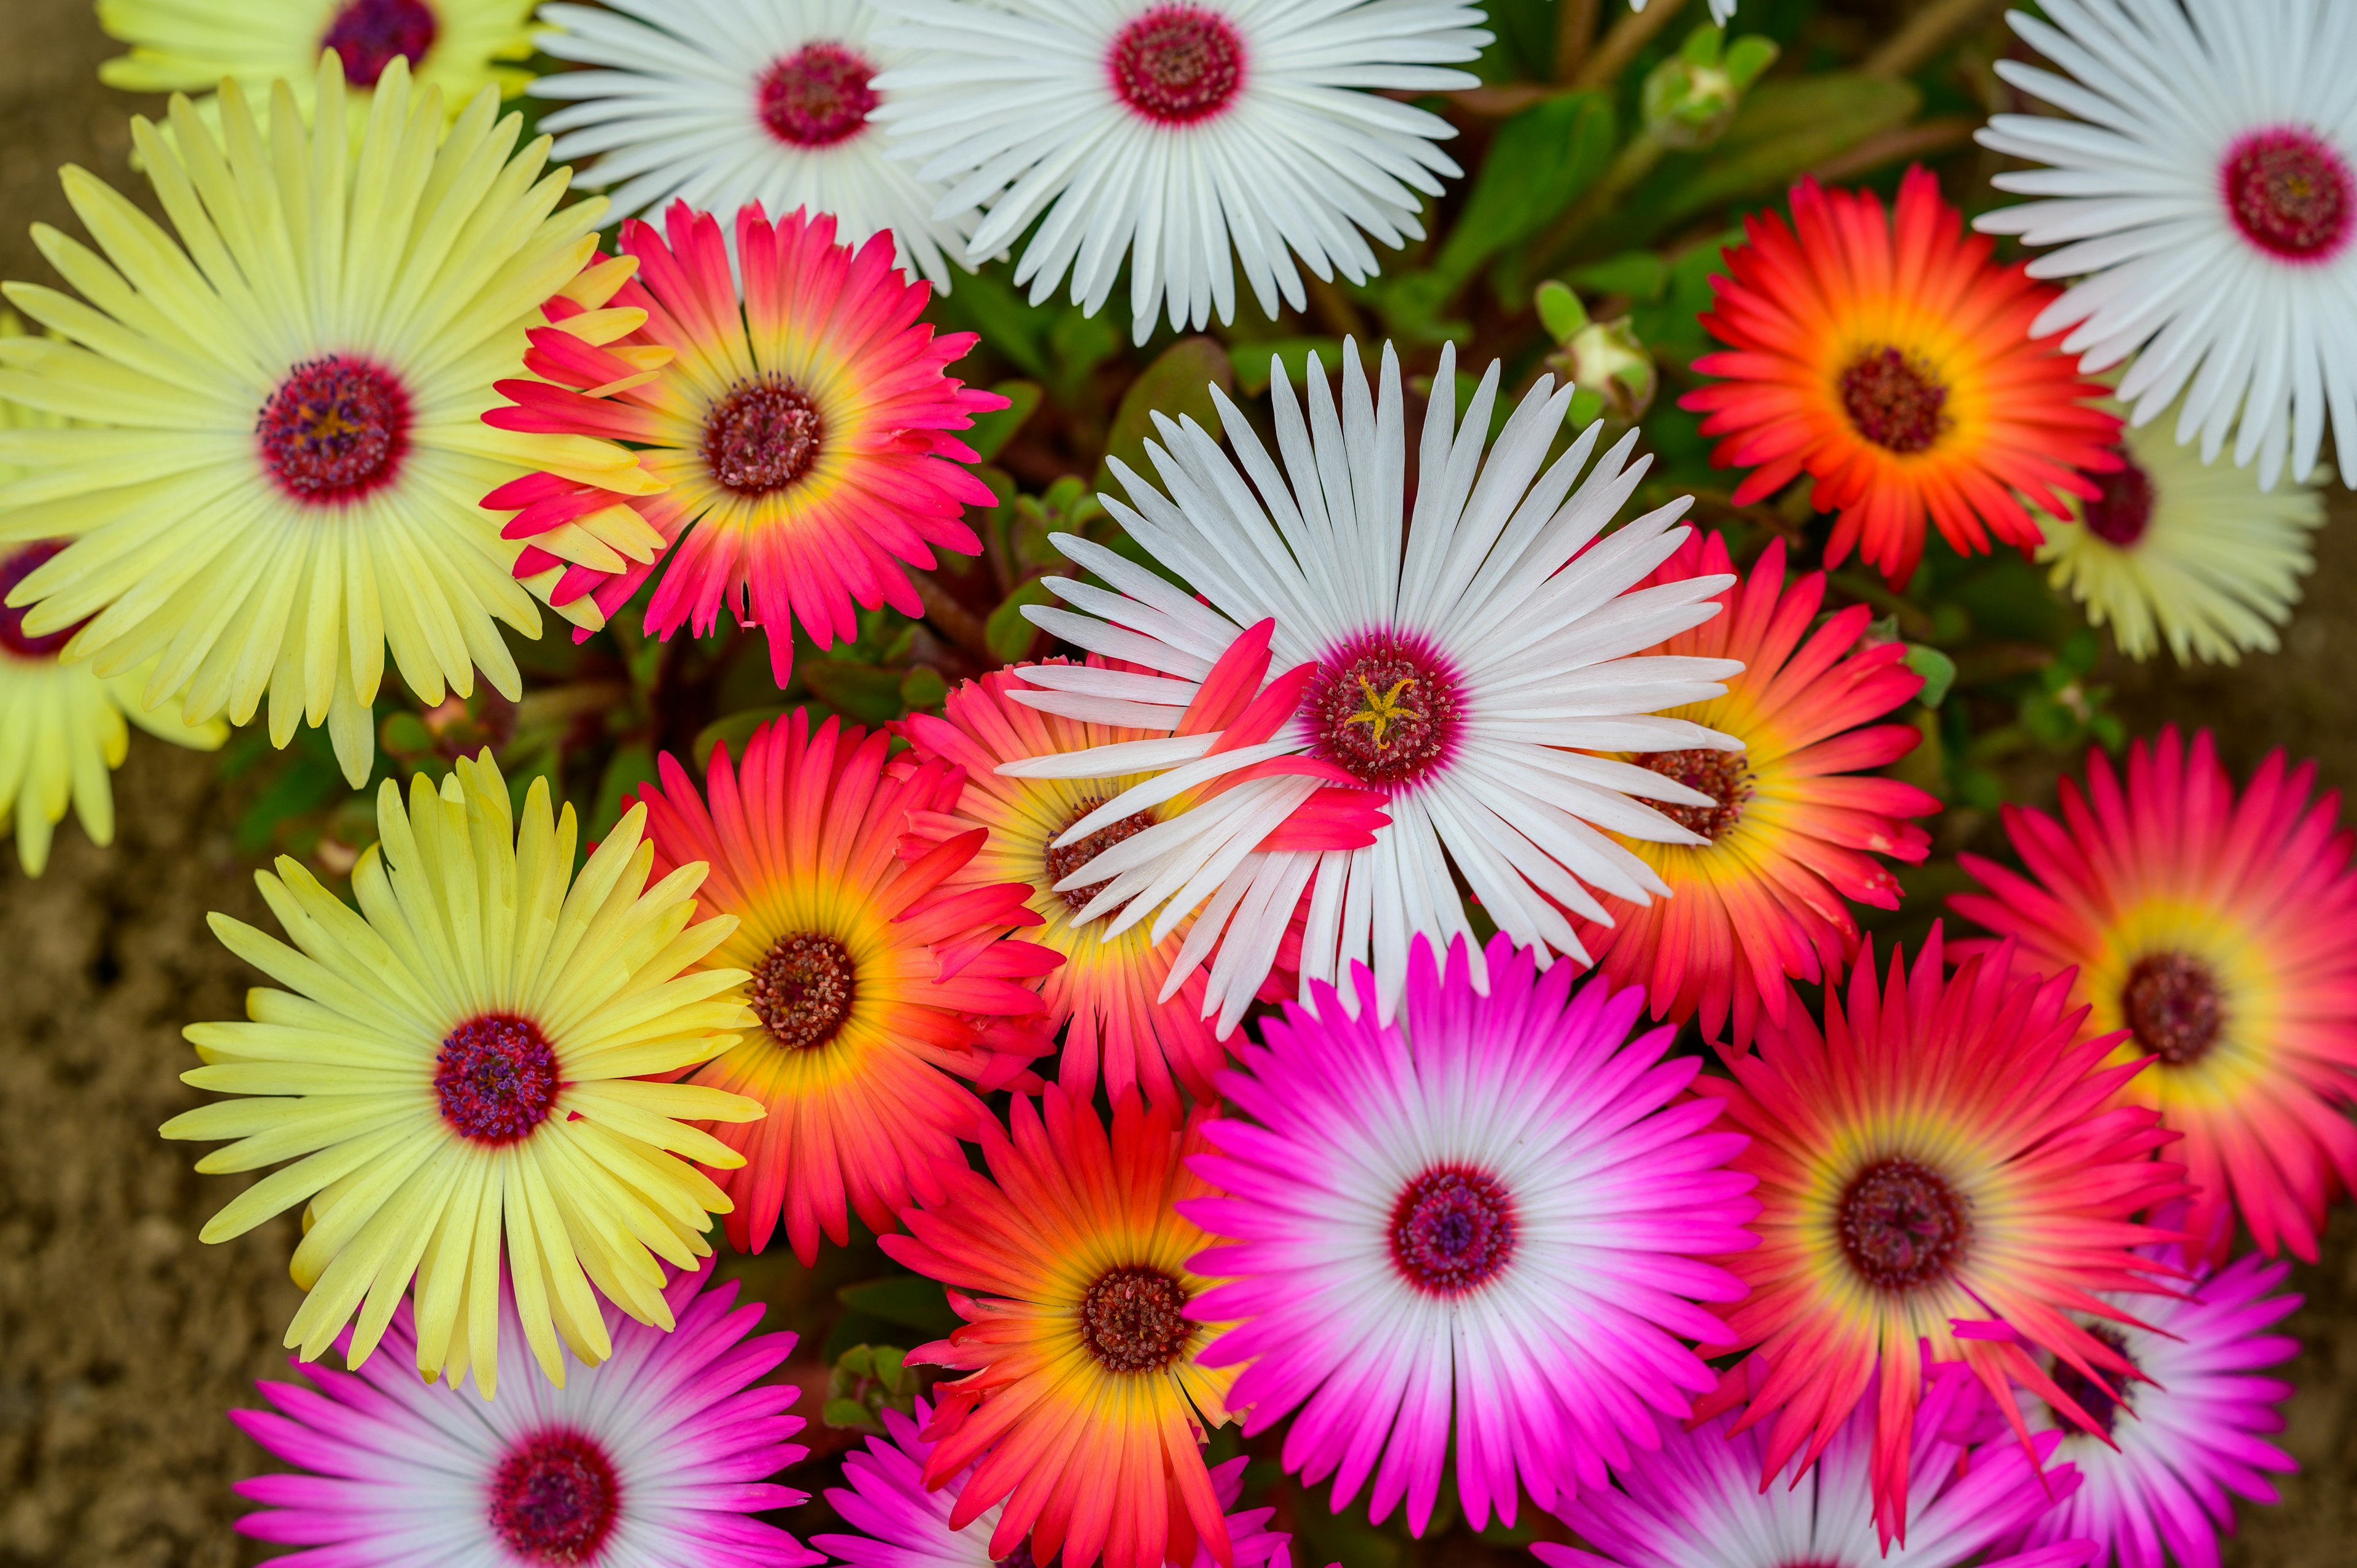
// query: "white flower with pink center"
[[1178, 133], [722, 102], [1467, 650], [2205, 197]]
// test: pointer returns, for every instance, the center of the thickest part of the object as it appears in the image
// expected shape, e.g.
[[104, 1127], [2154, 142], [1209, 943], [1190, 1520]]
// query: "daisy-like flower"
[[2189, 1438], [1082, 1416], [1454, 653], [2205, 197], [1946, 1174], [653, 1459], [903, 1523], [457, 47], [1176, 132], [461, 1073], [2176, 550], [1791, 837], [738, 101], [795, 433], [1696, 1499], [1889, 360], [877, 982], [280, 443], [2220, 932], [1496, 1203]]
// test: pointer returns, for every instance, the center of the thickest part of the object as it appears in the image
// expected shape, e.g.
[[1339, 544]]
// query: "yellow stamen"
[[1380, 711]]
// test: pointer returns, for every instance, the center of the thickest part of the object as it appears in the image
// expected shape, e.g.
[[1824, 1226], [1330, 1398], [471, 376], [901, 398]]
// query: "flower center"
[[803, 990], [1895, 400], [1178, 64], [817, 96], [333, 430], [2172, 1005], [763, 436], [1063, 863], [1383, 708], [1902, 1225], [2122, 508], [1452, 1230], [368, 33], [497, 1078], [553, 1499], [14, 569], [1131, 1319], [2087, 1393], [2290, 193], [1021, 1557], [1721, 775]]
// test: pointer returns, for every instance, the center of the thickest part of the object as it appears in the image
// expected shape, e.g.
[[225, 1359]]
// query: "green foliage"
[[864, 1382], [1539, 163]]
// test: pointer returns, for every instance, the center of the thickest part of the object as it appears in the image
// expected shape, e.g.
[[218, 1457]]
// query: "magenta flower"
[[652, 1459], [1492, 1205]]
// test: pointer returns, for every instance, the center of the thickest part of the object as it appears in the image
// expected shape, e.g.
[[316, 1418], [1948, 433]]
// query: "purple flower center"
[[333, 430], [817, 96], [369, 35], [1452, 1230], [1721, 775], [553, 1499], [1895, 400], [1383, 708], [1902, 1226], [14, 569], [497, 1078], [2290, 193], [1063, 863], [1178, 64], [1133, 1319], [802, 989], [2122, 508], [762, 437], [2172, 1005], [2101, 1405]]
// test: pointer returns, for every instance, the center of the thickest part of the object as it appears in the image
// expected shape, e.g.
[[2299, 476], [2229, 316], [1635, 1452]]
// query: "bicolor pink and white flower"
[[1488, 1214]]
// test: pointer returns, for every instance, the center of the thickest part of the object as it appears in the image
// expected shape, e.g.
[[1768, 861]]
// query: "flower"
[[1890, 361], [877, 982], [453, 47], [1504, 1183], [794, 438], [2221, 933], [1084, 1409], [1694, 1500], [1171, 131], [1454, 675], [466, 1061], [657, 1456], [2194, 1439], [2206, 203], [2189, 550], [1790, 835], [905, 1525], [273, 476], [1945, 1175], [746, 101]]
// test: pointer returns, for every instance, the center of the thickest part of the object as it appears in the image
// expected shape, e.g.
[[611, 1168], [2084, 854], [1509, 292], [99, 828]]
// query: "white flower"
[[1468, 665], [721, 102], [2206, 198], [1169, 130]]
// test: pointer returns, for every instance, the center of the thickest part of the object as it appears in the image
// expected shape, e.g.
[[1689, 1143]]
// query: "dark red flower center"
[[554, 1499], [1721, 775], [2122, 508], [2099, 1403], [762, 437], [1021, 1557], [333, 430], [1895, 400], [1063, 863], [1178, 64], [1902, 1225], [1383, 708], [1132, 1319], [369, 35], [802, 989], [2172, 1005], [817, 96], [14, 568], [1452, 1230], [2291, 194], [497, 1078]]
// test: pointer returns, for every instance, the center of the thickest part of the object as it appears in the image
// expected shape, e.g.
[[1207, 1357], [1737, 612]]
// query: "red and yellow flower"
[[2220, 932], [1892, 361], [1085, 1406], [1796, 831], [877, 981]]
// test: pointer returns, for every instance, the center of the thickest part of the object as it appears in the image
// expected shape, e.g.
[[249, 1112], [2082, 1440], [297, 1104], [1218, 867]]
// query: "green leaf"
[[991, 430], [630, 765], [1640, 274], [850, 1413], [734, 729], [1560, 311], [1783, 127], [1177, 384], [1538, 163], [868, 693], [1081, 342], [1007, 632], [1938, 672], [1250, 360], [910, 1300], [923, 687], [1011, 327]]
